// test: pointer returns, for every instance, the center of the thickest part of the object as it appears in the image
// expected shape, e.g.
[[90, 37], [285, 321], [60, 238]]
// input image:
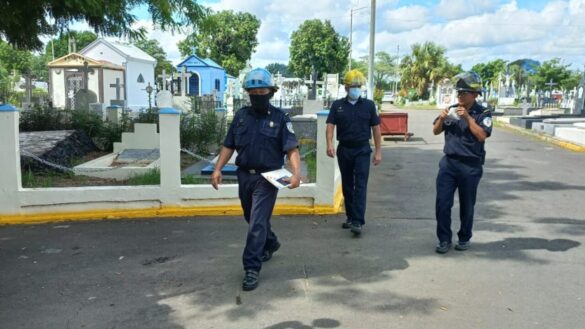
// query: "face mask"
[[354, 93], [260, 103]]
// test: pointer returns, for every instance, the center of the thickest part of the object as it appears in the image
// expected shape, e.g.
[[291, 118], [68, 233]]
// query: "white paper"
[[453, 113], [275, 177]]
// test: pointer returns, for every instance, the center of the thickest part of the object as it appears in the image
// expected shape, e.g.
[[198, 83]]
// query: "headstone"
[[118, 102], [113, 114], [525, 106], [579, 108], [98, 108], [164, 98], [119, 87], [83, 98]]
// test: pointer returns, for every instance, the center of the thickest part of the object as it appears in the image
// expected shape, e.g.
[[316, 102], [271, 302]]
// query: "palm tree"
[[426, 64]]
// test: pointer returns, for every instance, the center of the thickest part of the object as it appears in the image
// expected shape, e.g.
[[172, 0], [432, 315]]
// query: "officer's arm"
[[476, 130], [294, 158], [224, 156], [438, 124], [377, 144]]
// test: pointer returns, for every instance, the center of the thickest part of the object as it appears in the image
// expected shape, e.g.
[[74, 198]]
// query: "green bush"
[[202, 132]]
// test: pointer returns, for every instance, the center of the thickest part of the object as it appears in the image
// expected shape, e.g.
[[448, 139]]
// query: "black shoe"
[[250, 280], [443, 247], [356, 228], [462, 246], [346, 224], [268, 252]]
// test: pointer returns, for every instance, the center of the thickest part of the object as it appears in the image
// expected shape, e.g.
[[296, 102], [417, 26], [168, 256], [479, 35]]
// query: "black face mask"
[[260, 103]]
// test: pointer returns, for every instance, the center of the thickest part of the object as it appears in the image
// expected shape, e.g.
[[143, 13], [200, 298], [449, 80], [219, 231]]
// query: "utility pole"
[[372, 49], [351, 31], [396, 69]]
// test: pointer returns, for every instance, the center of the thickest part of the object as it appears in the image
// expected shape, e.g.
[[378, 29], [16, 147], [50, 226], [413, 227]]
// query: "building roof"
[[76, 60], [124, 49], [196, 61]]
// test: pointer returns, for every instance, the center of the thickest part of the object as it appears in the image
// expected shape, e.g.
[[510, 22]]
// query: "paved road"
[[526, 268]]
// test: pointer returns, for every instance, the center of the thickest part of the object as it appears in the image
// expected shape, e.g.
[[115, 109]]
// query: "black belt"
[[255, 171], [354, 144], [463, 159]]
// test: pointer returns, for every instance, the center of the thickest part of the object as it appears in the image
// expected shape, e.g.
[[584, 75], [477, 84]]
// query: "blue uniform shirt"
[[353, 121], [261, 140], [459, 141]]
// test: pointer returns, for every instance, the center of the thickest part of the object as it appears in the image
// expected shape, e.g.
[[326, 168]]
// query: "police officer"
[[262, 135], [356, 120], [466, 125]]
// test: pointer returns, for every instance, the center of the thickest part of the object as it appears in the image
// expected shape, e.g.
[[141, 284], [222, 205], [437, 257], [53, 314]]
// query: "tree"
[[13, 59], [427, 64], [556, 71], [60, 45], [153, 48], [384, 69], [276, 68], [317, 47], [490, 71], [226, 37], [25, 21]]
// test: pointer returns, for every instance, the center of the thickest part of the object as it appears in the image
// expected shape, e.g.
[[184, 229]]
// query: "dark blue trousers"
[[354, 165], [257, 197], [463, 176]]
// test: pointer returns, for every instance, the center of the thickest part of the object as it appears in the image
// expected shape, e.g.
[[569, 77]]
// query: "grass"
[[151, 177], [311, 161]]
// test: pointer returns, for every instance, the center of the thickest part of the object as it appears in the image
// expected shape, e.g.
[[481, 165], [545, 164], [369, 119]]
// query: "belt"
[[354, 144], [463, 159], [255, 171]]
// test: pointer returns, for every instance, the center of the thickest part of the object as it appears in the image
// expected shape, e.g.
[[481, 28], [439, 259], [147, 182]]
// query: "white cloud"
[[453, 9], [404, 18], [484, 31]]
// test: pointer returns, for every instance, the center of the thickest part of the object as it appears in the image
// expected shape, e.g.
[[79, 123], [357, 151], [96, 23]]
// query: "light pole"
[[351, 31], [372, 48]]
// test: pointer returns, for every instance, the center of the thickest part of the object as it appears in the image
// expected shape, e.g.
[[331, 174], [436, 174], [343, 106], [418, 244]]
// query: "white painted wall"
[[14, 200], [110, 78], [58, 88], [136, 93], [103, 52]]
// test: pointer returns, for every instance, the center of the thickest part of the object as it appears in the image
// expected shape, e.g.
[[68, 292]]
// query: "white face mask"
[[354, 93]]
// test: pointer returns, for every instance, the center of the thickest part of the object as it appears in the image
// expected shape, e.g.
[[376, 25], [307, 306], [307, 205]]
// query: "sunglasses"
[[463, 92]]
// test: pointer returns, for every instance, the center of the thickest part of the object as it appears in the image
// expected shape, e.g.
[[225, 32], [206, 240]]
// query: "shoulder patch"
[[289, 127], [487, 121]]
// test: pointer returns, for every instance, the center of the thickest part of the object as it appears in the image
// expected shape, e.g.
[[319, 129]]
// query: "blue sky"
[[471, 31]]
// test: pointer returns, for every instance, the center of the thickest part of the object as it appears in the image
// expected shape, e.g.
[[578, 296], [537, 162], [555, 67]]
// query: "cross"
[[193, 50], [164, 79], [184, 81], [550, 84], [85, 69], [149, 90], [118, 86]]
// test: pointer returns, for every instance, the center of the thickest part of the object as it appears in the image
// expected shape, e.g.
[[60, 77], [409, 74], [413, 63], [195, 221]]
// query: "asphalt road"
[[526, 267]]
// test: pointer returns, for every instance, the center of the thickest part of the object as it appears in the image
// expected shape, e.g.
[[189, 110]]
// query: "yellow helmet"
[[354, 78]]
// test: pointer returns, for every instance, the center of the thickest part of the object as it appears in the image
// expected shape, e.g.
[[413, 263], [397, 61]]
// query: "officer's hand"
[[444, 113], [215, 179], [462, 112], [294, 181], [377, 158], [331, 151]]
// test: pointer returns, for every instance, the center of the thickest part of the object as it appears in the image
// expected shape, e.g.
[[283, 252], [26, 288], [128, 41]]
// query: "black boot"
[[250, 280]]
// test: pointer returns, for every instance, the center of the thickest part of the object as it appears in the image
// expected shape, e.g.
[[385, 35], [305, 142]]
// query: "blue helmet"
[[259, 78]]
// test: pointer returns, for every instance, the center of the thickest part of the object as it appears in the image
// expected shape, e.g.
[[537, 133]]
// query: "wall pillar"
[[170, 155], [10, 179], [327, 169]]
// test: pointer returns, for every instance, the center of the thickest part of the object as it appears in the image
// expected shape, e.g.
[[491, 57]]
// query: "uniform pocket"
[[240, 136], [270, 131]]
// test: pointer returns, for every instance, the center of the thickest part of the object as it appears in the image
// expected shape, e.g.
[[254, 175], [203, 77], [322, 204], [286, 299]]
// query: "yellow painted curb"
[[549, 139], [111, 214]]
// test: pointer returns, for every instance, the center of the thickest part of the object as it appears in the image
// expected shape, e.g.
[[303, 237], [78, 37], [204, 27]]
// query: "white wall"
[[58, 87], [20, 205], [136, 95], [103, 52], [109, 78]]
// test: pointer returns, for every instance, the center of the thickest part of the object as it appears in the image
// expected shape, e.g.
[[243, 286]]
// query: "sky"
[[471, 31]]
